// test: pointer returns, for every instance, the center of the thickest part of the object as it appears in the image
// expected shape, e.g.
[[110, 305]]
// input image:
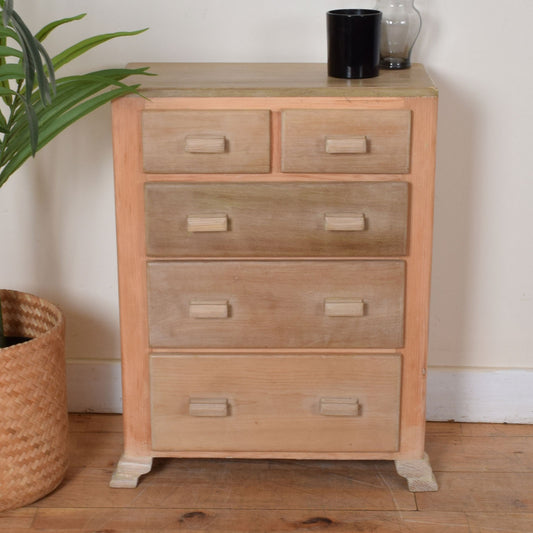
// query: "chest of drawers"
[[274, 240]]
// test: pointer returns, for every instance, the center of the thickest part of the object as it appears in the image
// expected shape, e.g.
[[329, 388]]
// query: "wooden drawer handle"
[[345, 222], [207, 223], [205, 144], [346, 145], [209, 309], [339, 407], [344, 307], [208, 407]]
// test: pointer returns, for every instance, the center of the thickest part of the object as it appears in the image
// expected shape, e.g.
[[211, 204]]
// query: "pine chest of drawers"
[[274, 240]]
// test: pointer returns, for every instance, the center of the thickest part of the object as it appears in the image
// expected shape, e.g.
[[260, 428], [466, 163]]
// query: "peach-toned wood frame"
[[315, 91]]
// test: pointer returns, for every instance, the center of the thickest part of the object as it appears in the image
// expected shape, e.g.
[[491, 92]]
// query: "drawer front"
[[206, 141], [346, 141], [276, 220], [276, 304], [293, 403]]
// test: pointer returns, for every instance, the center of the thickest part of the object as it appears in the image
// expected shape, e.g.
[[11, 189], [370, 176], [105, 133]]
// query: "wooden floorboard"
[[485, 473]]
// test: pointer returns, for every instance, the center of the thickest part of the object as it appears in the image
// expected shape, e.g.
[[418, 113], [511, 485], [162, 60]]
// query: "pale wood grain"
[[339, 407], [460, 453], [274, 403], [418, 277], [226, 484], [418, 473], [208, 407], [387, 144], [346, 145], [216, 520], [231, 88], [207, 223], [208, 309], [278, 220], [101, 450], [17, 519], [344, 222], [276, 304], [491, 522], [205, 144], [480, 492], [442, 428], [344, 307], [496, 430], [129, 206], [191, 520], [129, 470], [170, 141], [100, 423], [276, 80], [241, 496]]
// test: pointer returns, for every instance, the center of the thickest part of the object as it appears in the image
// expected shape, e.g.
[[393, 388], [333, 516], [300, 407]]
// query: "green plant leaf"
[[8, 32], [3, 124], [39, 107], [83, 46], [12, 72], [33, 50], [7, 94], [8, 51], [43, 33], [53, 128], [71, 91], [7, 11], [7, 90], [33, 126], [50, 81]]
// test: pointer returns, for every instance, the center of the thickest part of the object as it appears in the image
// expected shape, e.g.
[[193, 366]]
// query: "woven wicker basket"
[[33, 405]]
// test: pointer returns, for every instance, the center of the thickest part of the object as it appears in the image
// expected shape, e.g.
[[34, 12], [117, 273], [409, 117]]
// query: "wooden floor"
[[485, 473]]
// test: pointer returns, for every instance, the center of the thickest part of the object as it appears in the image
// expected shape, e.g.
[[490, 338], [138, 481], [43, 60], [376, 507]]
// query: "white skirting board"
[[480, 395], [459, 394], [94, 386]]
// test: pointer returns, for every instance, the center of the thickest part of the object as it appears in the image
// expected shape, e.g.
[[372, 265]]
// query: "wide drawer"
[[286, 403], [346, 141], [206, 141], [276, 304], [276, 220]]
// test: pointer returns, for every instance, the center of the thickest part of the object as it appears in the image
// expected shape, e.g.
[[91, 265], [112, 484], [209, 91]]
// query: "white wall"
[[57, 214]]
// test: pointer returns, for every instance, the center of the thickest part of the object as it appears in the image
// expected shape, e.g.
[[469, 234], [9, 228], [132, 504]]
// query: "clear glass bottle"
[[400, 26]]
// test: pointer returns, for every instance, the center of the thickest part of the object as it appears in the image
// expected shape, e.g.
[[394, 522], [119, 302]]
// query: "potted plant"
[[36, 107]]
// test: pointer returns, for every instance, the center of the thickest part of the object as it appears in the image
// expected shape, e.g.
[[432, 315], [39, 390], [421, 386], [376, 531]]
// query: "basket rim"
[[34, 299], [33, 396]]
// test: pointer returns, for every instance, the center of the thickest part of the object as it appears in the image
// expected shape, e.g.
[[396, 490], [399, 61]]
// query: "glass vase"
[[400, 27]]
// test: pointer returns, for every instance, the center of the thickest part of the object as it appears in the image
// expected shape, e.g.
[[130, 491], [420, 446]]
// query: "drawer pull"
[[346, 145], [209, 309], [207, 223], [208, 407], [345, 222], [344, 307], [339, 407], [205, 144]]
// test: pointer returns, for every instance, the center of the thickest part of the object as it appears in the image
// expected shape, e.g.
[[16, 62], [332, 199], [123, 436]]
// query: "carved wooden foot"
[[128, 471], [418, 473]]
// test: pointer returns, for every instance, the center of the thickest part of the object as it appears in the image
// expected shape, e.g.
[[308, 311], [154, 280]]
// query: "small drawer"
[[275, 403], [346, 141], [276, 304], [276, 220], [206, 141]]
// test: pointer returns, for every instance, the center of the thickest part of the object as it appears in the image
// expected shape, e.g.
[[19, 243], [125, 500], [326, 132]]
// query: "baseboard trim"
[[94, 386], [480, 395], [460, 394]]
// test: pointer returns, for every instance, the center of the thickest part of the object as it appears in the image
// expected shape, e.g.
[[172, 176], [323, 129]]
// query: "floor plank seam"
[[485, 484]]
